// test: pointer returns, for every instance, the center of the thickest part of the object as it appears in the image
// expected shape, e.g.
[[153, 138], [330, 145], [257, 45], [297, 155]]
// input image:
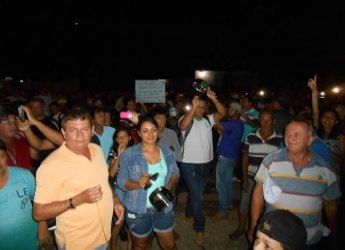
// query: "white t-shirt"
[[198, 146]]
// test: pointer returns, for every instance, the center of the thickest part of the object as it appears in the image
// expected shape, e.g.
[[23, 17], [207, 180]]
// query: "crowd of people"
[[74, 166]]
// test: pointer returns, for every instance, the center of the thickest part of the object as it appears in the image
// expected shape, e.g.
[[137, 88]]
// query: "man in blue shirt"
[[228, 152]]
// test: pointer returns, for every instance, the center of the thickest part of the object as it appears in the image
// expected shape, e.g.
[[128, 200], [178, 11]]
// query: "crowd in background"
[[29, 142]]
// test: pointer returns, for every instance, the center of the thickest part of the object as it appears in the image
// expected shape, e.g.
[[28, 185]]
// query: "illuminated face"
[[297, 137], [263, 242], [148, 133], [328, 120], [266, 121], [3, 161], [77, 134], [161, 120], [122, 138], [201, 109]]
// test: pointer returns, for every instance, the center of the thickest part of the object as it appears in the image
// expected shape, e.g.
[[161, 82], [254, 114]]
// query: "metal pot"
[[161, 198]]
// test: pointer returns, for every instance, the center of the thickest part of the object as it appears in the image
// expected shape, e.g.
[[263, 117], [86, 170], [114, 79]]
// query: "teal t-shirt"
[[18, 230], [162, 169]]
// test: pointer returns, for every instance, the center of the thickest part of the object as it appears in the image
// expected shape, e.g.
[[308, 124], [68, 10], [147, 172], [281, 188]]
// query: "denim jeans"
[[196, 177], [224, 174]]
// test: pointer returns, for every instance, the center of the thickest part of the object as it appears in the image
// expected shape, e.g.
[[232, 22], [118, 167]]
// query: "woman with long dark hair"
[[138, 163]]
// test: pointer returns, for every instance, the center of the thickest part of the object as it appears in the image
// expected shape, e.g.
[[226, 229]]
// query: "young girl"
[[121, 141]]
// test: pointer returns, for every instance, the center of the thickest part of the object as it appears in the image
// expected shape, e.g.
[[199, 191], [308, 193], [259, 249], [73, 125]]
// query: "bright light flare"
[[261, 93], [322, 94], [201, 74], [336, 90]]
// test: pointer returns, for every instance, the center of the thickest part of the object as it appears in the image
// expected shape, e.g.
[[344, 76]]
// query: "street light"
[[262, 93], [201, 74], [322, 94], [336, 90]]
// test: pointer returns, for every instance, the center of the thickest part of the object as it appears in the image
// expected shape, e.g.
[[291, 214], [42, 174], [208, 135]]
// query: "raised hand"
[[22, 126], [312, 83], [31, 118], [210, 93], [134, 118], [195, 101]]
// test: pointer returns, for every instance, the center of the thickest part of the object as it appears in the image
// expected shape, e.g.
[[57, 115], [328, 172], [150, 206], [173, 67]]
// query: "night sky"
[[61, 40]]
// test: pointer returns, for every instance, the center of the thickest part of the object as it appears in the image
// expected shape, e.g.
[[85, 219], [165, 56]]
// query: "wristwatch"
[[70, 204]]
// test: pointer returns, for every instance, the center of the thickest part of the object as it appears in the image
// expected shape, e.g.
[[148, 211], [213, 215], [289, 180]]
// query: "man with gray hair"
[[296, 179]]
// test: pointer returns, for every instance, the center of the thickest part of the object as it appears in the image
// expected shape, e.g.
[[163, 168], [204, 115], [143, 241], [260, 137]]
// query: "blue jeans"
[[141, 225], [224, 174], [196, 177], [246, 196]]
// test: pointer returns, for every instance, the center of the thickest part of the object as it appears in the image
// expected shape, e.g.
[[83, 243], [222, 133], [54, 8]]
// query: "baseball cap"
[[284, 227]]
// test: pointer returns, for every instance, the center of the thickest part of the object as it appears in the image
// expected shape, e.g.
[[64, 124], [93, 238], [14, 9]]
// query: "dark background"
[[117, 42]]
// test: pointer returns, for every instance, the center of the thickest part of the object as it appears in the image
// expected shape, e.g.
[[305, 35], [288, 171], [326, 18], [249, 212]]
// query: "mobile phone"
[[125, 115], [21, 113]]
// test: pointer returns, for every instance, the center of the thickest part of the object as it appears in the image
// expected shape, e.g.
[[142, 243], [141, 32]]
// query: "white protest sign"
[[150, 91]]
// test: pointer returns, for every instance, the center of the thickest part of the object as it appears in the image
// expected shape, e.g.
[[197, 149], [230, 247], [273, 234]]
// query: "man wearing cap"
[[231, 131], [296, 179], [279, 230]]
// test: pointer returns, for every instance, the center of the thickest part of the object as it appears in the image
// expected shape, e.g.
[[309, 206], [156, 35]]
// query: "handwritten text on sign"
[[150, 91]]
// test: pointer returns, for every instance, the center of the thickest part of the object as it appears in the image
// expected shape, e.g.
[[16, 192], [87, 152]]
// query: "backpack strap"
[[182, 138]]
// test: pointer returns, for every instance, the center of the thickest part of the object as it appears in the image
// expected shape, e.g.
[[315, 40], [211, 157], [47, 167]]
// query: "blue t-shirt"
[[106, 140], [230, 140], [162, 169], [18, 230]]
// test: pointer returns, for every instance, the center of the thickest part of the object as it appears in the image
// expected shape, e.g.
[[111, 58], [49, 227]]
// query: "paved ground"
[[216, 233]]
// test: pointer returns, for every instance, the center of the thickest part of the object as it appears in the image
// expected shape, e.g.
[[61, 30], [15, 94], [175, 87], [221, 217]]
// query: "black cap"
[[284, 227]]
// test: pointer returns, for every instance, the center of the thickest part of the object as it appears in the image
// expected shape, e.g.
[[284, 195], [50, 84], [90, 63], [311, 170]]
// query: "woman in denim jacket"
[[138, 163]]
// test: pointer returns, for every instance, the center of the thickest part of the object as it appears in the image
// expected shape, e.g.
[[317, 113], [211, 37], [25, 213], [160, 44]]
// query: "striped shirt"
[[303, 190], [257, 148]]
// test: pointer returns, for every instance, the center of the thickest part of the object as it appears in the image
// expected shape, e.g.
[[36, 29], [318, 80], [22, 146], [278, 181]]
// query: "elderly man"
[[296, 179], [72, 185]]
